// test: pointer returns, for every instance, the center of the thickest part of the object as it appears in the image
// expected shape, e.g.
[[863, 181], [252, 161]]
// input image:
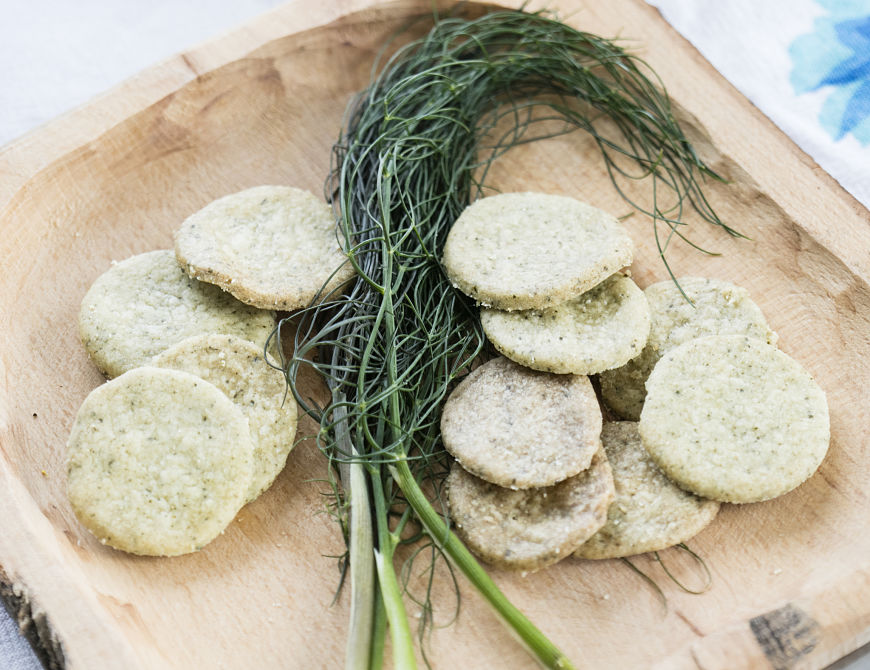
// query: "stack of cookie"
[[544, 269], [696, 308], [534, 483], [729, 418], [195, 424]]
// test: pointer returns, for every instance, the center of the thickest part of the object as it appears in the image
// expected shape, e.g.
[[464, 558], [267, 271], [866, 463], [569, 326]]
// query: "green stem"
[[361, 551], [400, 633], [379, 632], [398, 616], [544, 651]]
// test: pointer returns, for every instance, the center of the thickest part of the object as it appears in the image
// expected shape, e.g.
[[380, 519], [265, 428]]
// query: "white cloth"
[[15, 654], [804, 63], [58, 54]]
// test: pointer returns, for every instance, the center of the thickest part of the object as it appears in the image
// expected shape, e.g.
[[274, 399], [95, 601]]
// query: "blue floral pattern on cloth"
[[837, 54]]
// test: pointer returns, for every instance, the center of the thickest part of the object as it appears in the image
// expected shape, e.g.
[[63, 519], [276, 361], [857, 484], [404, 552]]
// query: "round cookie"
[[732, 418], [238, 368], [598, 330], [531, 529], [145, 304], [533, 250], [273, 247], [520, 428], [718, 308], [158, 462], [649, 512]]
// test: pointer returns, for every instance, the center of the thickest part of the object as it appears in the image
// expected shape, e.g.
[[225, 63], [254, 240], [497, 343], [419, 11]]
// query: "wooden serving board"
[[791, 577]]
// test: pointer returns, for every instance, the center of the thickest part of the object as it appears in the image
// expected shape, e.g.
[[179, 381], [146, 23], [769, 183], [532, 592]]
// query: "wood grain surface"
[[791, 577]]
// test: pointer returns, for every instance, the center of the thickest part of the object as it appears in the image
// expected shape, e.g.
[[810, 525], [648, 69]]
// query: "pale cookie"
[[532, 250], [238, 368], [717, 308], [145, 304], [529, 530], [649, 512], [274, 247], [158, 462], [731, 418], [598, 330], [519, 428]]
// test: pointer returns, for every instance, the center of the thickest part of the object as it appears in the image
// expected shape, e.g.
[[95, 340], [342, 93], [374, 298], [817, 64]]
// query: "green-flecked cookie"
[[732, 418], [238, 368], [521, 428], [596, 331], [145, 304], [533, 250], [649, 512], [534, 528], [274, 247], [158, 462]]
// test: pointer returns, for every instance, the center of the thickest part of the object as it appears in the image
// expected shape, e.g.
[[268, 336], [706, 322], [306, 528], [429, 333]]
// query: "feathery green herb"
[[414, 152]]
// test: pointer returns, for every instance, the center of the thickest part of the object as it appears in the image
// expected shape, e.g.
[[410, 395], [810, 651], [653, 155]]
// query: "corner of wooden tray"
[[33, 623], [47, 595]]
